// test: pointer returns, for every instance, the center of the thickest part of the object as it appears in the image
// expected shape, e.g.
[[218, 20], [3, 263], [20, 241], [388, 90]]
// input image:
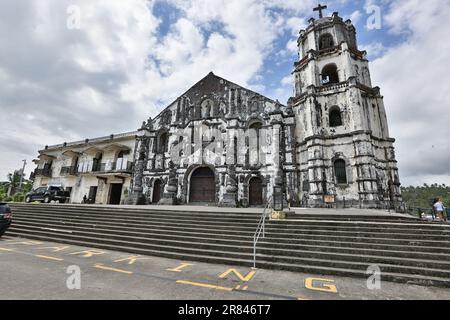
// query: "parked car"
[[48, 194], [5, 217]]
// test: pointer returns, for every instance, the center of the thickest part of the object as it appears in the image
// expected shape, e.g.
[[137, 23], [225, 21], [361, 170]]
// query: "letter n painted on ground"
[[247, 278]]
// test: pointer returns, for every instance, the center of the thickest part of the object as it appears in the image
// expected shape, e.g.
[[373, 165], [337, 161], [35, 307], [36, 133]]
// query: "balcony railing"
[[47, 172], [333, 86], [329, 50], [69, 171], [118, 166]]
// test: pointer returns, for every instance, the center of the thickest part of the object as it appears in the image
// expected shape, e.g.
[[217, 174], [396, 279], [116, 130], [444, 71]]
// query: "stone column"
[[170, 191], [137, 197], [229, 197], [278, 196]]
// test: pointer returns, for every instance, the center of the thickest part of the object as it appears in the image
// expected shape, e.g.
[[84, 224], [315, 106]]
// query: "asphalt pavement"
[[31, 269]]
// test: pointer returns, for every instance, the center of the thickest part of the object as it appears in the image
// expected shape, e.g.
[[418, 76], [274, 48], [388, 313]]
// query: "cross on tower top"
[[320, 8]]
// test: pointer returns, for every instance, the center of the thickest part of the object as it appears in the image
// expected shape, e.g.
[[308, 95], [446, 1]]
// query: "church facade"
[[222, 144]]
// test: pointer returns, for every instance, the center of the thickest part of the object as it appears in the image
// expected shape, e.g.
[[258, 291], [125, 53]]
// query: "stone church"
[[225, 145], [222, 144]]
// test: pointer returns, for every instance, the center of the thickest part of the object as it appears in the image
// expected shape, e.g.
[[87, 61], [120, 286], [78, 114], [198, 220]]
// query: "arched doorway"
[[156, 191], [255, 190], [202, 186]]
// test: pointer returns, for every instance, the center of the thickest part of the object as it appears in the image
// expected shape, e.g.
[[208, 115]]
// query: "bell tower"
[[344, 151]]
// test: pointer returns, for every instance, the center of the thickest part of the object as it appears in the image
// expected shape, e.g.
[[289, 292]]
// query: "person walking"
[[439, 209]]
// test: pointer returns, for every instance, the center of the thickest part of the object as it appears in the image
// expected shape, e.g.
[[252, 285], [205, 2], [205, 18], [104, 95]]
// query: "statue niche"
[[206, 108], [254, 105]]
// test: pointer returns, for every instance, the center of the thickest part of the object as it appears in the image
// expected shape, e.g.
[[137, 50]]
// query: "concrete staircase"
[[406, 250]]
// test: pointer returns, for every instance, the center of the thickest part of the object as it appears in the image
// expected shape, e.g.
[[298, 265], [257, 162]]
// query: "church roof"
[[208, 83]]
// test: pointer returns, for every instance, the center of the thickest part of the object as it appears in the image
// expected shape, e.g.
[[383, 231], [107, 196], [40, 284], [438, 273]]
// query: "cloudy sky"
[[81, 68]]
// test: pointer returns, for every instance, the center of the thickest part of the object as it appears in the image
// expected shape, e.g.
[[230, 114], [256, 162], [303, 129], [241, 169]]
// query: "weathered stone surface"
[[226, 145], [331, 140]]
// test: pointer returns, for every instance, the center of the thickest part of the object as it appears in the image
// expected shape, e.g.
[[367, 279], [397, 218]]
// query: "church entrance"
[[156, 191], [255, 190], [116, 193], [202, 186]]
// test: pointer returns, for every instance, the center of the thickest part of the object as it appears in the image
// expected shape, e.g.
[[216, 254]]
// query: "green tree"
[[422, 197], [13, 185]]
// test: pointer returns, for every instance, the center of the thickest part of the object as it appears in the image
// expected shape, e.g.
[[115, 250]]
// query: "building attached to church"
[[222, 144]]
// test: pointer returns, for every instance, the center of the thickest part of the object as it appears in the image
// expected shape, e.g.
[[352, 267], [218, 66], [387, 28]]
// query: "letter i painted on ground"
[[88, 253], [180, 267]]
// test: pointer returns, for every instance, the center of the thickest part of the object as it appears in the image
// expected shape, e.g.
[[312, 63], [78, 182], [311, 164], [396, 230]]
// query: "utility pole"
[[21, 175]]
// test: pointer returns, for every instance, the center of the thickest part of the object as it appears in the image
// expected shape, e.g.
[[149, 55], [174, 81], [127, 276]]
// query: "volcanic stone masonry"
[[222, 144]]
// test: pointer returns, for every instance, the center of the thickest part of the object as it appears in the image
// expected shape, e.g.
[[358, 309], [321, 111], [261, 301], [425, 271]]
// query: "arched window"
[[326, 41], [335, 117], [255, 142], [163, 143], [330, 74], [340, 171]]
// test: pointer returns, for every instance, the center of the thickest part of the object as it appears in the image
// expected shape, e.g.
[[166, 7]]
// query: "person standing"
[[439, 208]]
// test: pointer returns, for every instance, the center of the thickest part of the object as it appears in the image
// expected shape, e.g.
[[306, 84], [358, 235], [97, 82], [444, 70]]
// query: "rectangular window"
[[340, 172]]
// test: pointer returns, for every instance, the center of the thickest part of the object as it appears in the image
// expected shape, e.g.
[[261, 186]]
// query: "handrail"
[[260, 229]]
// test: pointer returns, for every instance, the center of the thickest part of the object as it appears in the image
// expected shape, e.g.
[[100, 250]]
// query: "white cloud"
[[415, 81], [287, 81], [64, 84], [114, 72], [355, 16], [60, 85], [374, 49]]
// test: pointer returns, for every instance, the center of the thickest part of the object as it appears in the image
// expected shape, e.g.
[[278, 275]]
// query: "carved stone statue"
[[231, 180], [208, 109], [170, 192]]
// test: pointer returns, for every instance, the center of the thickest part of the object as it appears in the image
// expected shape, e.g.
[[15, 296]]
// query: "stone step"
[[243, 230], [146, 212], [206, 234], [237, 253], [298, 233], [150, 221], [286, 240], [359, 227], [155, 227], [373, 240], [409, 251], [281, 254], [356, 234], [274, 226], [135, 209], [420, 226], [386, 276], [427, 246], [128, 215], [371, 217], [404, 252]]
